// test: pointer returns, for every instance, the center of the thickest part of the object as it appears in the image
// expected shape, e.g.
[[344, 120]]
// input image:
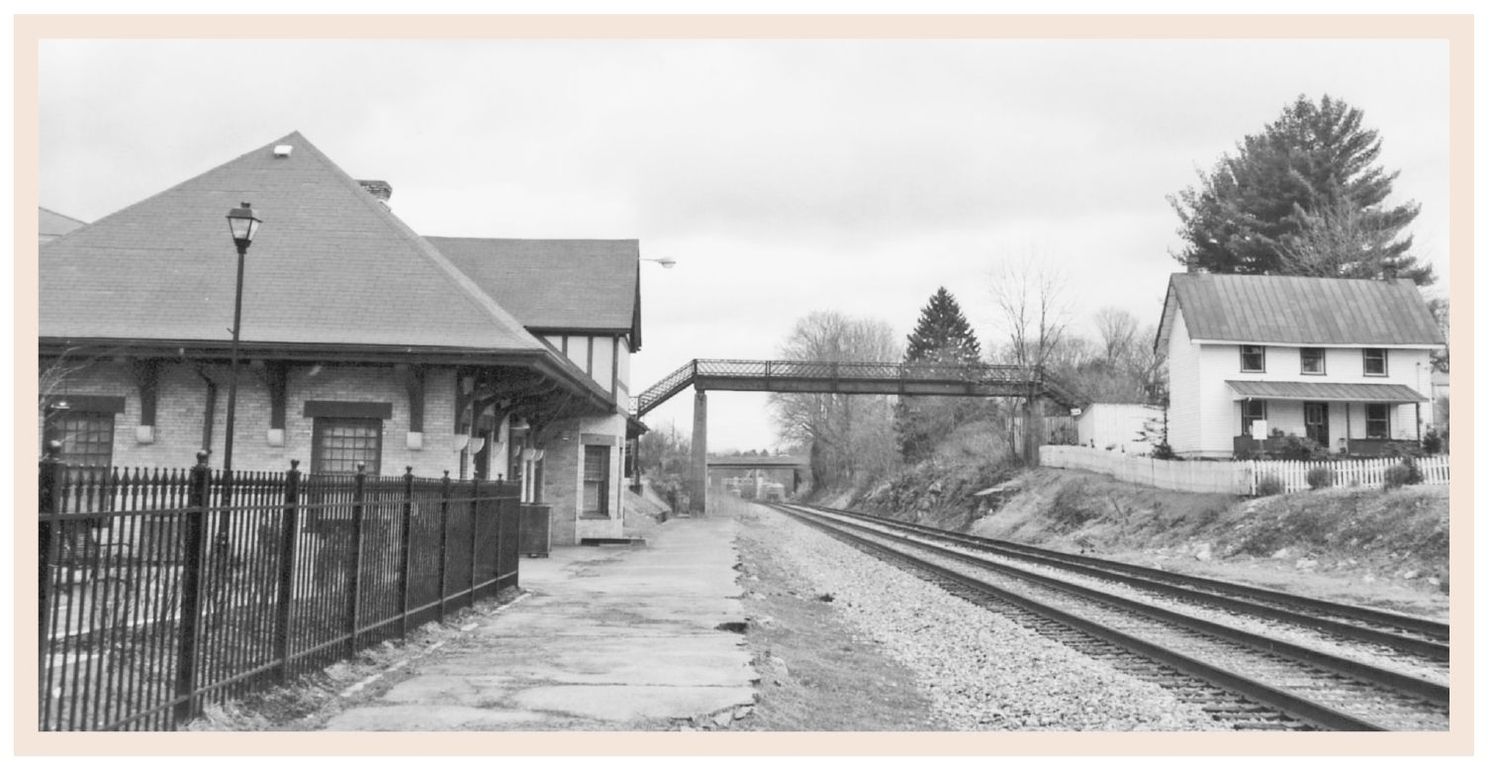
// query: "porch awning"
[[1325, 391]]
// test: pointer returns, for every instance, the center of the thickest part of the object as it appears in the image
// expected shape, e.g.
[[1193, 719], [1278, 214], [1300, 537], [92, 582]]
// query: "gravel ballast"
[[979, 670]]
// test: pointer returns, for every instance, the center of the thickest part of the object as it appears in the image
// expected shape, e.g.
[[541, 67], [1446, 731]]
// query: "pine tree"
[[1303, 197], [941, 336]]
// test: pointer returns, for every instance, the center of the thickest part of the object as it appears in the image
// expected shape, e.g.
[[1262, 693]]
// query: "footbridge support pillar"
[[1033, 429], [698, 456]]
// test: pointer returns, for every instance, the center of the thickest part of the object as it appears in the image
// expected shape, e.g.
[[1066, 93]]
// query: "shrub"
[[1303, 450], [1162, 451], [1433, 441], [1404, 473], [1320, 478], [1269, 485]]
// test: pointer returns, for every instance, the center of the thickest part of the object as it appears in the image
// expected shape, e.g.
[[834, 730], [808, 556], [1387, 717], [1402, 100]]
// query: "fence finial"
[[202, 457], [360, 468], [295, 464]]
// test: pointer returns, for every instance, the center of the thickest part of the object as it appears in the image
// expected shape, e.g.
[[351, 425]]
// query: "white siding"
[[1220, 418], [1184, 389], [1221, 414], [1115, 426]]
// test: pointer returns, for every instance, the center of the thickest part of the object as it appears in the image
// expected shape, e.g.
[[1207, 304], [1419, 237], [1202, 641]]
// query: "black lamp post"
[[243, 224]]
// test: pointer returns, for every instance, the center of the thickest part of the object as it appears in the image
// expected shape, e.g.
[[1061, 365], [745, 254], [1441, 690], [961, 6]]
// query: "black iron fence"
[[164, 590]]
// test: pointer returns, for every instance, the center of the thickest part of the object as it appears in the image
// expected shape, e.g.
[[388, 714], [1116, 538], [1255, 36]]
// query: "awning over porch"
[[1325, 391]]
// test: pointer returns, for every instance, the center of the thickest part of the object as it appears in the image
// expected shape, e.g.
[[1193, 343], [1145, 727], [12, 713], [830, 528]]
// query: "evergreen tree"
[[941, 336], [1303, 197]]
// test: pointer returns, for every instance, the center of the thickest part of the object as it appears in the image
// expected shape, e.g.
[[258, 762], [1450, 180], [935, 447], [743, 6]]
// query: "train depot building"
[[362, 343]]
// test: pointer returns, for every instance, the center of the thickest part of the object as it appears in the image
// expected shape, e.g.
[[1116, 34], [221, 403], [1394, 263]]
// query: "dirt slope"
[[1385, 548]]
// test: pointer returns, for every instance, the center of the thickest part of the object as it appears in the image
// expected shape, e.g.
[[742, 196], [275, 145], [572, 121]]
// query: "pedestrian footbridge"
[[847, 377]]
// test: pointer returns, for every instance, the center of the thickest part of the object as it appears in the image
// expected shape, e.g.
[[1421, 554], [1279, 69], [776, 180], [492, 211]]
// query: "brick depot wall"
[[563, 478], [563, 483], [182, 397]]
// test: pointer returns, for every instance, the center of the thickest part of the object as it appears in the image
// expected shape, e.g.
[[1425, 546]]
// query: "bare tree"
[[846, 435], [1034, 303], [1118, 332]]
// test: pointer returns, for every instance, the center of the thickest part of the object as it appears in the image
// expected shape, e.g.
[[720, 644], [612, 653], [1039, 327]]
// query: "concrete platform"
[[636, 637]]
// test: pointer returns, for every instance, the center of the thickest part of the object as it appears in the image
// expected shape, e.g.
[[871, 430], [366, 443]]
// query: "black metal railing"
[[160, 591]]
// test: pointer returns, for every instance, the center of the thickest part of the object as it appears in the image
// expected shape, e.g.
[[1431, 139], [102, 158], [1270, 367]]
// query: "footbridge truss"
[[866, 377], [850, 377]]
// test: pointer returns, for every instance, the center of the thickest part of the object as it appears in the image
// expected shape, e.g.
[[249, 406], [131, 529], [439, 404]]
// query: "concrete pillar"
[[1033, 429], [698, 456]]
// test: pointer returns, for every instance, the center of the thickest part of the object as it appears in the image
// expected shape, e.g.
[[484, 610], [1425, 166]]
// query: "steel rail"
[[1425, 690], [1188, 587], [1300, 708], [1435, 629]]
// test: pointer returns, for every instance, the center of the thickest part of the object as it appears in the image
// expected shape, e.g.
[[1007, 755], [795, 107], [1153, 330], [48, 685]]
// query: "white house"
[[1344, 362]]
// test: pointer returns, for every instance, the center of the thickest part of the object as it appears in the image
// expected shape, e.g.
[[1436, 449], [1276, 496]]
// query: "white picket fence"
[[1233, 477], [1353, 472]]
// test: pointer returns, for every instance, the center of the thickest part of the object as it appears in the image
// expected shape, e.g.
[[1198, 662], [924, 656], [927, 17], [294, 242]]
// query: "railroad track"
[[1254, 679]]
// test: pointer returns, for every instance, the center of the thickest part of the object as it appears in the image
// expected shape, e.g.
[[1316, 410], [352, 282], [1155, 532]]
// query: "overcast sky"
[[784, 176]]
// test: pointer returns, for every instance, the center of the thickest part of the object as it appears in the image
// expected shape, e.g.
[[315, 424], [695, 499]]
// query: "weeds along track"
[[1258, 678]]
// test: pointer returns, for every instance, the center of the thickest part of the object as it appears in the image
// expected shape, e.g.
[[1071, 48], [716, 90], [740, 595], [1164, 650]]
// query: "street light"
[[667, 262], [243, 224]]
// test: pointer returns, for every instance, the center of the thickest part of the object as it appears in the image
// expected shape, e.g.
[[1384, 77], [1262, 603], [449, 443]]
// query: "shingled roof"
[[1298, 310], [331, 266], [565, 285], [51, 225]]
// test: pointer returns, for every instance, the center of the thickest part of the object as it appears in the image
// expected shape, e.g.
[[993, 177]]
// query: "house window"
[[1312, 361], [1252, 409], [595, 480], [340, 444], [1378, 421], [1374, 362], [1252, 359]]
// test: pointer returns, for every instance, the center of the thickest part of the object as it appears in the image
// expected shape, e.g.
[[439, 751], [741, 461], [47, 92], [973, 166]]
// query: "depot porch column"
[[698, 456]]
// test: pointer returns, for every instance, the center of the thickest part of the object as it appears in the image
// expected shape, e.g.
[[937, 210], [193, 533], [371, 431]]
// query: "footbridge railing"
[[868, 377]]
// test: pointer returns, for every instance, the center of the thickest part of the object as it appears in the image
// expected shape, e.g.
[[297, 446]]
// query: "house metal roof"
[[1299, 310], [556, 284], [331, 266], [1325, 391]]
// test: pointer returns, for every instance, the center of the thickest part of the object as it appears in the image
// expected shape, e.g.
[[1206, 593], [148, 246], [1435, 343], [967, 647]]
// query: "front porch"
[[1280, 447], [1302, 420]]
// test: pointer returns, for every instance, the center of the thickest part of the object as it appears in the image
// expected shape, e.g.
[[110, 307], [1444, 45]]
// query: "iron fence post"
[[285, 586], [405, 511], [473, 548], [441, 568], [189, 622], [356, 560], [48, 497]]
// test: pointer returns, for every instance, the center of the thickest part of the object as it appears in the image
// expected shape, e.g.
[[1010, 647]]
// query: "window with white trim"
[[1253, 358]]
